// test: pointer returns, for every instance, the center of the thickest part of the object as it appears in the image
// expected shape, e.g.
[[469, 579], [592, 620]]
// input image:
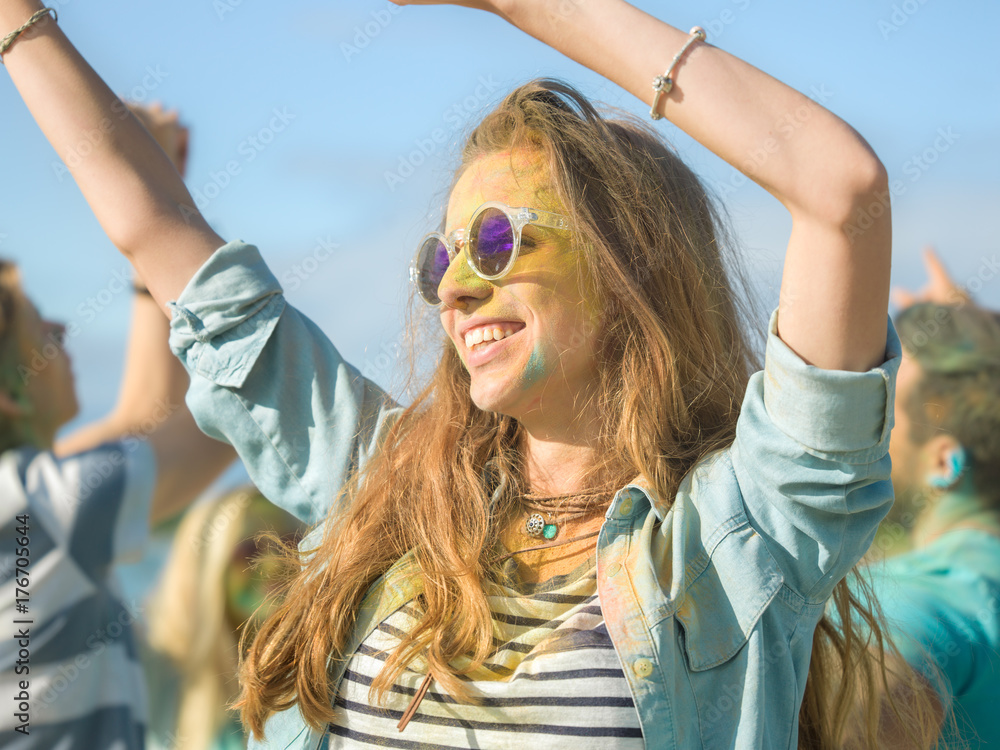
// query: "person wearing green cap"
[[941, 598]]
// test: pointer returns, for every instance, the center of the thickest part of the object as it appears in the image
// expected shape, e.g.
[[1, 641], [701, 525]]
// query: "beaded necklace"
[[546, 513]]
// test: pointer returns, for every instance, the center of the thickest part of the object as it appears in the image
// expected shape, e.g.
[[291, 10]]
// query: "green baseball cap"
[[950, 338]]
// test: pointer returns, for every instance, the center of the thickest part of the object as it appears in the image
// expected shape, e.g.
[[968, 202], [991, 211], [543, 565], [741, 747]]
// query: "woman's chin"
[[494, 397]]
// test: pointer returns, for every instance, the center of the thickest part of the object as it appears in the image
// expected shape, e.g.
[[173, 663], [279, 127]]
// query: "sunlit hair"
[[673, 366], [13, 432], [189, 622]]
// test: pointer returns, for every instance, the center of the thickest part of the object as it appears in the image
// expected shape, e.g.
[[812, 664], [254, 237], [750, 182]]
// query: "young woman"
[[592, 400]]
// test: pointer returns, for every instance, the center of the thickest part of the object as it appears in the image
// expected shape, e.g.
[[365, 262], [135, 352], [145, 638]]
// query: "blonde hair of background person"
[[193, 618], [669, 405]]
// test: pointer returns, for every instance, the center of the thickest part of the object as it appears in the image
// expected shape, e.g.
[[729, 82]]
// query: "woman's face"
[[47, 374], [546, 360]]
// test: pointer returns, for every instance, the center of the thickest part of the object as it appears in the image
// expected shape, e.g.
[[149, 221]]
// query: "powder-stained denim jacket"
[[711, 597]]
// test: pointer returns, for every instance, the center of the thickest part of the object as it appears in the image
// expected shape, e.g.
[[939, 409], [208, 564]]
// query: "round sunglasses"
[[491, 241]]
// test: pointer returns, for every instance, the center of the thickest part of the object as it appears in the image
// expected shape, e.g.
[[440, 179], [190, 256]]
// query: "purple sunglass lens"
[[491, 241], [433, 265]]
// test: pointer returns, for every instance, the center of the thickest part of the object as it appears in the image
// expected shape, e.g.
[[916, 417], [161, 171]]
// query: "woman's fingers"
[[903, 298], [941, 288]]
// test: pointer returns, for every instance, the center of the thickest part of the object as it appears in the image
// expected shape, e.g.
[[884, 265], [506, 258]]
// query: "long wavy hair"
[[673, 364]]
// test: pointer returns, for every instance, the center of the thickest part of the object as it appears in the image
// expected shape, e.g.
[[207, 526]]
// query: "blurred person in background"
[[941, 594], [72, 509], [218, 583]]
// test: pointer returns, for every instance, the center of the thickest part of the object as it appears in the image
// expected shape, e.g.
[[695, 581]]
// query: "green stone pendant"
[[550, 530]]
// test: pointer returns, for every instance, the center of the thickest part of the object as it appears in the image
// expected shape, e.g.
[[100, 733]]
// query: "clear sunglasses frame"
[[518, 218]]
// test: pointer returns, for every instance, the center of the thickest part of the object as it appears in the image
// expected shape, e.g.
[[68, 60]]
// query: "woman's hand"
[[166, 128], [940, 289]]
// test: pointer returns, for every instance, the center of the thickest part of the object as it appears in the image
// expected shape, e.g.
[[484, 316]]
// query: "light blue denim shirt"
[[710, 597]]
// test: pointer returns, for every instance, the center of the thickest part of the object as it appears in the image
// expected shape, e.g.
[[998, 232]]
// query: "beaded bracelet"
[[8, 41], [663, 84]]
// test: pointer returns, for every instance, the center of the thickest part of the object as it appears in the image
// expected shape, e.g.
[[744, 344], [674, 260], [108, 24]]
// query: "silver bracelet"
[[663, 84]]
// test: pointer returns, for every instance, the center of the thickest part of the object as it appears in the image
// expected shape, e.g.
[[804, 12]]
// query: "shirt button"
[[614, 570], [625, 507], [643, 667]]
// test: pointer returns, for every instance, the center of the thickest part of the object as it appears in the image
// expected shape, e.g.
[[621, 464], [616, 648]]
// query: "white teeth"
[[482, 335]]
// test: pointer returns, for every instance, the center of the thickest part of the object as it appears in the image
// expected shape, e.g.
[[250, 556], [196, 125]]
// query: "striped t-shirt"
[[553, 679], [65, 631]]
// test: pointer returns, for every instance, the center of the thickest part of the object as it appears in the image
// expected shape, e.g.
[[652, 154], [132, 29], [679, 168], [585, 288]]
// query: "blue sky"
[[343, 122]]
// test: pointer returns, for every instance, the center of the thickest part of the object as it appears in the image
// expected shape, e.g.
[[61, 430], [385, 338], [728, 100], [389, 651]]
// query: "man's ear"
[[945, 460], [13, 407]]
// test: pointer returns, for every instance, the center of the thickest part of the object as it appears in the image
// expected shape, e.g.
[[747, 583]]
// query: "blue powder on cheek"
[[535, 370]]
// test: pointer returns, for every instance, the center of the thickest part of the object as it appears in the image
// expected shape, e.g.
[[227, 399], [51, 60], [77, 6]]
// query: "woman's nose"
[[461, 286]]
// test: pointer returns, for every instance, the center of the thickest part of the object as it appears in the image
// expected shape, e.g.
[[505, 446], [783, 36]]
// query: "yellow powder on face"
[[489, 179], [548, 286]]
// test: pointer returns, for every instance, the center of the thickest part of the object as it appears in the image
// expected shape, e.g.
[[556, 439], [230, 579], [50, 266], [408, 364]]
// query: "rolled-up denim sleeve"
[[811, 459], [266, 380]]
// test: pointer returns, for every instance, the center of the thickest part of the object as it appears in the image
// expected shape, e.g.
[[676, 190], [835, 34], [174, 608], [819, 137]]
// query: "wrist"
[[37, 20], [15, 12]]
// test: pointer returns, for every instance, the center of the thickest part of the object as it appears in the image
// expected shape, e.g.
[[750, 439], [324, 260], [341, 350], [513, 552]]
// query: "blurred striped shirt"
[[83, 513]]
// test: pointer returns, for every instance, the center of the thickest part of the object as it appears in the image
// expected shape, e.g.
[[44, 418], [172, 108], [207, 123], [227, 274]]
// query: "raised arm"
[[834, 292], [130, 184], [151, 395]]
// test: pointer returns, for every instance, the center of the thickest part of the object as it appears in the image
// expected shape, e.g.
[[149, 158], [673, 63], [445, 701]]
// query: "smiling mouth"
[[483, 338]]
